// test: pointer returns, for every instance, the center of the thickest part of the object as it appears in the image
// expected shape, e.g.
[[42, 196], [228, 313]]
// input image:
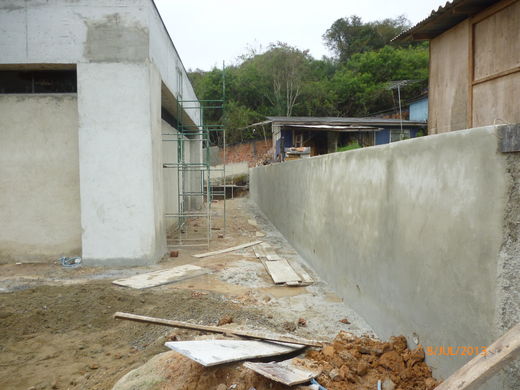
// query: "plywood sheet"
[[449, 84], [496, 101], [165, 276], [497, 47], [213, 352], [284, 372], [281, 272]]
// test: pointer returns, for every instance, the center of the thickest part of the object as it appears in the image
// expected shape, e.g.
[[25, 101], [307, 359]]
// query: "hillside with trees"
[[286, 81]]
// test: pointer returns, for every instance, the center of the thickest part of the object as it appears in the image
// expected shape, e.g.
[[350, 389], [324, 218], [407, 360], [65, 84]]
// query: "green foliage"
[[286, 81], [351, 146], [362, 85], [348, 36]]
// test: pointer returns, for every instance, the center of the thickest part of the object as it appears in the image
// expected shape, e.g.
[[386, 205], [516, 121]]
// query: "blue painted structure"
[[419, 110], [383, 136]]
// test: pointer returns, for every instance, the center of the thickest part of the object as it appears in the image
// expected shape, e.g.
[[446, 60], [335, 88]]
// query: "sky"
[[208, 32]]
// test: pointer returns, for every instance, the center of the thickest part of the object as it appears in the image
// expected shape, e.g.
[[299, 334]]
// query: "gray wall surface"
[[39, 178], [123, 56], [421, 237]]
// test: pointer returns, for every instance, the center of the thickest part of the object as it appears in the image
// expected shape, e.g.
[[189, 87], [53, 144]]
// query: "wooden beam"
[[215, 329], [479, 369], [231, 249]]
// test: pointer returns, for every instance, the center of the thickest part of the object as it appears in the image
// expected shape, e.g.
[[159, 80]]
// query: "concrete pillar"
[[118, 197], [332, 141]]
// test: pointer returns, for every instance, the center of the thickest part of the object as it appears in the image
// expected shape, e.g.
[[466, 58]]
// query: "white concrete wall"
[[123, 53], [116, 163], [170, 175], [77, 31], [421, 237], [39, 178]]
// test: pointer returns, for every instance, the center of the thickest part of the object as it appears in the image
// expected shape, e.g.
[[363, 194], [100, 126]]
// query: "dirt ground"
[[57, 330]]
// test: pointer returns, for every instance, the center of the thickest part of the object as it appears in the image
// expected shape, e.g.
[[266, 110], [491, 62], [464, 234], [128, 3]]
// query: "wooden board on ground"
[[284, 372], [304, 275], [281, 272], [231, 249], [213, 352], [161, 277], [259, 251], [270, 253], [216, 329], [482, 367]]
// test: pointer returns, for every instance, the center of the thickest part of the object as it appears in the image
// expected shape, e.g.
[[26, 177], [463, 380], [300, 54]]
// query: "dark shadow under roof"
[[310, 120], [444, 18]]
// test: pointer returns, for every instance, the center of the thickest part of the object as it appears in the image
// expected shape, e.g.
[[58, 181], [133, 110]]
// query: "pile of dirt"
[[64, 337], [173, 371], [351, 363]]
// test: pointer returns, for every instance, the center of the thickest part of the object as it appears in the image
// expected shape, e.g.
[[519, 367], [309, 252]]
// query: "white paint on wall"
[[116, 163], [39, 178], [123, 55]]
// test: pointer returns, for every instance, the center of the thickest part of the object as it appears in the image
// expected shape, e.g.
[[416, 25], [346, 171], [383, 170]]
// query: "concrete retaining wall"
[[421, 237], [39, 178]]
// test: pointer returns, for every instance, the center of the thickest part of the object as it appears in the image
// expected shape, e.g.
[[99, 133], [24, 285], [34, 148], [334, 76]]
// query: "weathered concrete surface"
[[123, 56], [412, 234], [115, 139], [39, 178]]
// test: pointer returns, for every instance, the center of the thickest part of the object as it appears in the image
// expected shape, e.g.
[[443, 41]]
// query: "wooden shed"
[[474, 63]]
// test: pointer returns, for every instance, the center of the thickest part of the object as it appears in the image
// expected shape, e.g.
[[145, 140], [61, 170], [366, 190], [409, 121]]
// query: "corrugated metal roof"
[[327, 120], [444, 18]]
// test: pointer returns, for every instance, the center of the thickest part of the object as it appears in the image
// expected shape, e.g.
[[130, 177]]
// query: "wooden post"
[[215, 329], [479, 369]]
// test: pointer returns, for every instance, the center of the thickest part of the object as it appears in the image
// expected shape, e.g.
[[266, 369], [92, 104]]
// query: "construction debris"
[[161, 277], [288, 372], [215, 329], [213, 352], [279, 268], [233, 248], [351, 362]]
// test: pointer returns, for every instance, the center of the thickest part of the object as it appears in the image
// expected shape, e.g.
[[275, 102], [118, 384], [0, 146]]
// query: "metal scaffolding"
[[197, 180]]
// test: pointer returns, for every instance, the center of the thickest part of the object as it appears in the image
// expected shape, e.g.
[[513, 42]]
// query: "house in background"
[[474, 63], [418, 109], [324, 135], [87, 92]]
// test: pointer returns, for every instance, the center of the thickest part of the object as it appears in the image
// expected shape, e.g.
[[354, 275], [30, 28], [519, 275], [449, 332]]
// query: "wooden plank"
[[482, 367], [231, 249], [216, 329], [281, 271], [304, 275], [509, 138], [213, 352], [259, 251], [161, 277], [270, 253], [284, 372]]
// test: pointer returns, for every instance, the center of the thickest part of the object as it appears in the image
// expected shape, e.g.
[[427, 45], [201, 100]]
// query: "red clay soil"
[[351, 363]]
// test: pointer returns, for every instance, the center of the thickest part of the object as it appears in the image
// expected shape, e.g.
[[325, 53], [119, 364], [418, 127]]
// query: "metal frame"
[[186, 135]]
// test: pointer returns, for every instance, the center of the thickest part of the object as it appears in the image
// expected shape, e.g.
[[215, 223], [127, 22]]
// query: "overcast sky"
[[207, 32]]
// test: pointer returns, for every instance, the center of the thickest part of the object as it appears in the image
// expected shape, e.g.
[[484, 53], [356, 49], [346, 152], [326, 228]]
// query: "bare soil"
[[57, 329]]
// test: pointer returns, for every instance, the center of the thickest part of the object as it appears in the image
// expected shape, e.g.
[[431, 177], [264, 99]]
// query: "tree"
[[278, 75], [361, 85], [348, 36]]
